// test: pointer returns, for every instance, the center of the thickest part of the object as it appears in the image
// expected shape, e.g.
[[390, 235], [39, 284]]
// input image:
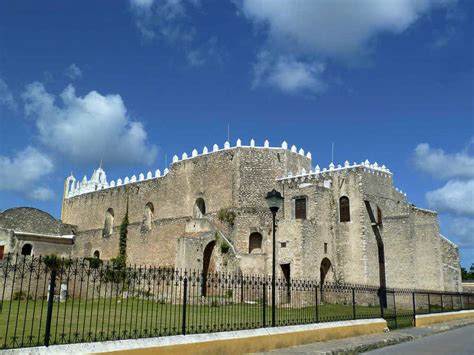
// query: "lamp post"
[[274, 202]]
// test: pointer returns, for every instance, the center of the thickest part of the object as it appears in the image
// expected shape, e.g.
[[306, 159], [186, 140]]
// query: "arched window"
[[148, 217], [26, 249], [379, 216], [97, 254], [109, 222], [199, 208], [255, 243], [344, 209]]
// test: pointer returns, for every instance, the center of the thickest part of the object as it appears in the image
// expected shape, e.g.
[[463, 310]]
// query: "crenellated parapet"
[[98, 180]]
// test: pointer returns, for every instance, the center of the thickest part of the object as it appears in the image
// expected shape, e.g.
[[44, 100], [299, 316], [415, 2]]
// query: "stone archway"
[[208, 265]]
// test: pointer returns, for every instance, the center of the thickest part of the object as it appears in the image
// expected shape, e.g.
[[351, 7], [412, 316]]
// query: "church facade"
[[345, 223]]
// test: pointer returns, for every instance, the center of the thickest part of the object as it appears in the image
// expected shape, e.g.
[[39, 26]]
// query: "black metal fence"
[[50, 301]]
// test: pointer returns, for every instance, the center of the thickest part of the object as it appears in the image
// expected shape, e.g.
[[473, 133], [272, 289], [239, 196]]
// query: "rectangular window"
[[325, 248], [283, 244], [2, 248], [300, 208]]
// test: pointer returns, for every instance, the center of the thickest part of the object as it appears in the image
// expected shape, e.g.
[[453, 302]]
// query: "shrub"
[[226, 215]]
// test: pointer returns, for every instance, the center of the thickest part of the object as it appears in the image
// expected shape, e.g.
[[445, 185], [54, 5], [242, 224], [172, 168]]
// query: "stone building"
[[207, 211], [29, 231]]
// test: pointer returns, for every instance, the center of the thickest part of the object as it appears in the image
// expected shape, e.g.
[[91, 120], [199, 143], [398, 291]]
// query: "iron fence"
[[56, 301]]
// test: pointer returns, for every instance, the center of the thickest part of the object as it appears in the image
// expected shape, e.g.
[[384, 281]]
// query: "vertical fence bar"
[[429, 304], [185, 291], [264, 304], [414, 308], [316, 298], [442, 305], [381, 302], [395, 310], [353, 304], [49, 313]]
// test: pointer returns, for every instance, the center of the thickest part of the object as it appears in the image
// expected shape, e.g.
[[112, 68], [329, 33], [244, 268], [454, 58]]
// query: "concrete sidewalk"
[[365, 343]]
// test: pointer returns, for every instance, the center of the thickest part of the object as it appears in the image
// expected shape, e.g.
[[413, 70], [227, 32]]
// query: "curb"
[[399, 337]]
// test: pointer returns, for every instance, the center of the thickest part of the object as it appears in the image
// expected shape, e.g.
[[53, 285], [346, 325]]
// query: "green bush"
[[226, 215]]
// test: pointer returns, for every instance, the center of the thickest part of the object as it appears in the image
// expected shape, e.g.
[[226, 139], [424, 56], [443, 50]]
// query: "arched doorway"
[[208, 266], [199, 208], [325, 271]]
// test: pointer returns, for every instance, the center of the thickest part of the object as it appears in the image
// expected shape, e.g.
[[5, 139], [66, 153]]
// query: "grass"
[[22, 323]]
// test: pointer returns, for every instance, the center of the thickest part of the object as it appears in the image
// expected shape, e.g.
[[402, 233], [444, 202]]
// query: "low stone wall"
[[235, 342], [428, 319]]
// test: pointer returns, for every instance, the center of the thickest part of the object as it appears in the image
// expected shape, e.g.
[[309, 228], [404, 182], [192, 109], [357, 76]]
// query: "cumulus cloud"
[[23, 173], [463, 229], [6, 96], [336, 28], [88, 129], [321, 31], [443, 165], [73, 72], [456, 197], [288, 74]]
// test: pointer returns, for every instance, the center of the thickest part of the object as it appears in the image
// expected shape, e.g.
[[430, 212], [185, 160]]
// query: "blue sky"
[[135, 82]]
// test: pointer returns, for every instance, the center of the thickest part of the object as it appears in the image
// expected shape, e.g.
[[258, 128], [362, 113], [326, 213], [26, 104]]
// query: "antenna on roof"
[[228, 132], [332, 153], [166, 160]]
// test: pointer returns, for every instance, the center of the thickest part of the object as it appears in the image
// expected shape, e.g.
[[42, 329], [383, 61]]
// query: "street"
[[458, 341]]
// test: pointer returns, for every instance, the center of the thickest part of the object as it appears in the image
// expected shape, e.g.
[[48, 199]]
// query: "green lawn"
[[22, 323]]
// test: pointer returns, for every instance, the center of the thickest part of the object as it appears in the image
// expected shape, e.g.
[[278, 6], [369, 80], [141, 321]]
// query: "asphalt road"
[[454, 342]]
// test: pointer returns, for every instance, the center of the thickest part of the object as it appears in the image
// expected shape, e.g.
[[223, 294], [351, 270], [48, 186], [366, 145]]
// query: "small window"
[[26, 249], [344, 209], [300, 208], [325, 248], [199, 208], [97, 254], [255, 243], [283, 244], [108, 223], [2, 250], [148, 217]]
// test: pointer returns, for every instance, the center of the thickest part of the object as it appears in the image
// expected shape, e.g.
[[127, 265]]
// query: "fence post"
[[429, 304], [452, 303], [49, 312], [264, 304], [185, 292], [317, 309], [353, 303], [442, 305], [414, 308]]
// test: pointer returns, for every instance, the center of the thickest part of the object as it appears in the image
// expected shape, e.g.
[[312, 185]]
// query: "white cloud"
[[456, 197], [73, 72], [442, 165], [288, 74], [6, 96], [320, 31], [88, 129], [336, 28], [23, 173], [463, 229]]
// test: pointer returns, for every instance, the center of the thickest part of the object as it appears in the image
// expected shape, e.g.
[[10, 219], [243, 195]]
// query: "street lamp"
[[274, 202]]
